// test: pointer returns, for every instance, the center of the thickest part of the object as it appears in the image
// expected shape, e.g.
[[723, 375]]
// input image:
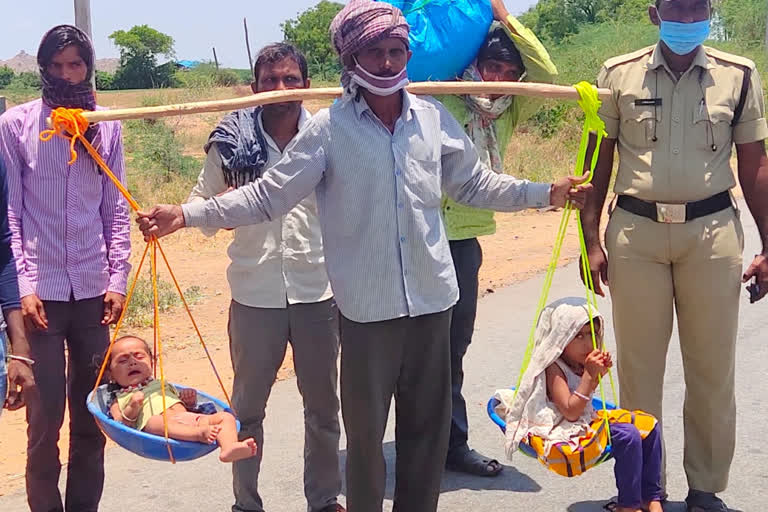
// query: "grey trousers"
[[61, 379], [258, 339], [408, 358]]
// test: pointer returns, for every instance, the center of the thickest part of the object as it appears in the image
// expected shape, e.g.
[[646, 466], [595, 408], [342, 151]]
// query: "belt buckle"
[[670, 213]]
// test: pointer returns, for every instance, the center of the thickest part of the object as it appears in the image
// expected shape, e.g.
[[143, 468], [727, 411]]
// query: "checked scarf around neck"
[[242, 146], [482, 128]]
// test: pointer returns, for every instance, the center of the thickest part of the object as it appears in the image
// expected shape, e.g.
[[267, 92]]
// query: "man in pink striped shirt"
[[71, 240]]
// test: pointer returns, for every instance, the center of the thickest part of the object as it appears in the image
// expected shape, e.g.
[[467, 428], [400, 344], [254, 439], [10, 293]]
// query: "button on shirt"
[[69, 223], [696, 112], [384, 262], [278, 262]]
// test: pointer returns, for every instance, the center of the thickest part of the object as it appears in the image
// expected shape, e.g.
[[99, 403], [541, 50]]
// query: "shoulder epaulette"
[[629, 57], [729, 57]]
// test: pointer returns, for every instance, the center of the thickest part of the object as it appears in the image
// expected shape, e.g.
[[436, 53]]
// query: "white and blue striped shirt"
[[378, 196]]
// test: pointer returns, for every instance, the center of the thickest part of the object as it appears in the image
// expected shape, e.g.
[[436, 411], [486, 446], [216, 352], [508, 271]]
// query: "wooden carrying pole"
[[265, 98]]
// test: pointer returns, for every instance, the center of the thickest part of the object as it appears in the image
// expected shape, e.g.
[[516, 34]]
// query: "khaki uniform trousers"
[[695, 267]]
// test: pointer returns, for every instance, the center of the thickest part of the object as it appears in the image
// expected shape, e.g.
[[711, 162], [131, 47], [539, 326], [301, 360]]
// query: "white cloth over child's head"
[[531, 412]]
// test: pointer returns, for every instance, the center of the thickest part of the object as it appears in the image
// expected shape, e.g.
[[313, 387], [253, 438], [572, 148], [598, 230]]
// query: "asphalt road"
[[503, 321]]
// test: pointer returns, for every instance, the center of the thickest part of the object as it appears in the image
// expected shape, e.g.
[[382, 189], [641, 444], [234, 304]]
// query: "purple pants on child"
[[638, 465]]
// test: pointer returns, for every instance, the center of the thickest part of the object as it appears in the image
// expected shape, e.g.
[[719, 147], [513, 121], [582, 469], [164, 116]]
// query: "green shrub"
[[6, 76], [105, 81], [26, 80]]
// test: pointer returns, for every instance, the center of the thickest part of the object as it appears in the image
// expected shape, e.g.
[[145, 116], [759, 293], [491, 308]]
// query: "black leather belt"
[[670, 213]]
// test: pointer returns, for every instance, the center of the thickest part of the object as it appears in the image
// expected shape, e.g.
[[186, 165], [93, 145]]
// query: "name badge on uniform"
[[648, 102]]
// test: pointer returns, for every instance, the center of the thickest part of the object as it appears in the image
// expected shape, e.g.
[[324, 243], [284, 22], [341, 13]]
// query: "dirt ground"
[[521, 247]]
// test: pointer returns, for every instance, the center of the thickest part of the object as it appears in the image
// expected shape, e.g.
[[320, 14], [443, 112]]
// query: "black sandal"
[[704, 502], [473, 463]]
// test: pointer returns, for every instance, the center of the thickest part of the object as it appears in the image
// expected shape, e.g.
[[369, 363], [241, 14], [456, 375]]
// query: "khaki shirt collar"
[[657, 60]]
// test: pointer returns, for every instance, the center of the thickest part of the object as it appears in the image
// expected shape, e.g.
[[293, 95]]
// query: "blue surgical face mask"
[[683, 38]]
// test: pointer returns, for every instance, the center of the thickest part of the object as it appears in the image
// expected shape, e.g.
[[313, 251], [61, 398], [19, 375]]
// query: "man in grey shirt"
[[379, 161]]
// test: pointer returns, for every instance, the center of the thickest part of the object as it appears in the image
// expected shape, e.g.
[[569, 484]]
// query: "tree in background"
[[744, 20], [26, 80], [557, 19], [206, 75], [6, 76], [139, 49], [105, 81], [309, 33]]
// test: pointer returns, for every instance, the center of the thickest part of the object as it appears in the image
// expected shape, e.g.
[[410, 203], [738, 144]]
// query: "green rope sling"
[[590, 104]]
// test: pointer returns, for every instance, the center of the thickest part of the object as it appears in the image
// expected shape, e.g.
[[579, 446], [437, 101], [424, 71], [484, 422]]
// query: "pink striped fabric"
[[70, 226]]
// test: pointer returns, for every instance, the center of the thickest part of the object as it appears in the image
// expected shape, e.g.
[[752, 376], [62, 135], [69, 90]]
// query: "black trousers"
[[467, 259], [407, 358], [60, 380]]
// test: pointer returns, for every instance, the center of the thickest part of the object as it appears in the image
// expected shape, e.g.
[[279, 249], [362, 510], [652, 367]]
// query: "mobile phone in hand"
[[754, 290]]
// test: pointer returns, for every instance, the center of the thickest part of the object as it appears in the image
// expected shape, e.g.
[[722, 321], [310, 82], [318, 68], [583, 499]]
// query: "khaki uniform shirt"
[[679, 150]]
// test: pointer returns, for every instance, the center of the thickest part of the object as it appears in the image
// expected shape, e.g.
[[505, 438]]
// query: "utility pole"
[[215, 58], [248, 47], [83, 22]]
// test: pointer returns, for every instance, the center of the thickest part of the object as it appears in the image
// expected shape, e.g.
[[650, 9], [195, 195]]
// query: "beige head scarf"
[[531, 412]]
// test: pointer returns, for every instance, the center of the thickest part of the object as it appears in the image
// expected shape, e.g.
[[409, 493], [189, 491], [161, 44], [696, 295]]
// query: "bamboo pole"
[[265, 98]]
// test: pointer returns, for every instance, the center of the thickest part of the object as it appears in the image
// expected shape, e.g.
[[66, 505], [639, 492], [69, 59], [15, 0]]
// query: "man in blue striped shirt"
[[379, 161]]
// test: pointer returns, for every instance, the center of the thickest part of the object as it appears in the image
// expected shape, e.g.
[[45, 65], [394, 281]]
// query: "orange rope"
[[159, 342], [70, 124], [71, 121], [191, 318], [120, 320]]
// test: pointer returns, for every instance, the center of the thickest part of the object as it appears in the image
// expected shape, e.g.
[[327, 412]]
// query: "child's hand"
[[595, 364], [607, 361], [188, 397], [137, 398]]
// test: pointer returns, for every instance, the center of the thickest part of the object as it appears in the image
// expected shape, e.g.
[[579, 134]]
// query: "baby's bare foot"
[[209, 433], [238, 451]]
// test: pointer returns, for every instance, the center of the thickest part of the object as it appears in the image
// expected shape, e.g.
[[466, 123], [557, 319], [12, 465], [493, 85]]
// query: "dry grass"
[[536, 158]]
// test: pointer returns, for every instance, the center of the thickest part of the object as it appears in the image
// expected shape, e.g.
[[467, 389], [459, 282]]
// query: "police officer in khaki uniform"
[[674, 240]]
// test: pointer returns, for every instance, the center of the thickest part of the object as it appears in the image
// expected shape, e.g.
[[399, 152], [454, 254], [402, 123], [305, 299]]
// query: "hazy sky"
[[195, 25]]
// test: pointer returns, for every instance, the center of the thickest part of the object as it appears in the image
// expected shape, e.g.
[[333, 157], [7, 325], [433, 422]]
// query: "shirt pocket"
[[712, 126], [640, 125], [423, 180]]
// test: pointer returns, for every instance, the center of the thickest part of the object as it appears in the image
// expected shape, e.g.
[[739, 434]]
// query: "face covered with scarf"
[[66, 63], [497, 61], [371, 39]]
